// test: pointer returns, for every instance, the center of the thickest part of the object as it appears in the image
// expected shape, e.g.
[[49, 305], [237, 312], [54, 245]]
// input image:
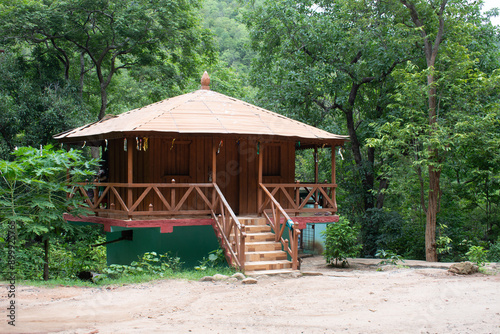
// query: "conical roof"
[[202, 112]]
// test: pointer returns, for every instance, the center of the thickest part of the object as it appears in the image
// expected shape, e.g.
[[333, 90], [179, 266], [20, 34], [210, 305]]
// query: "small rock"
[[239, 276], [232, 280], [249, 280], [463, 268], [207, 279], [220, 277]]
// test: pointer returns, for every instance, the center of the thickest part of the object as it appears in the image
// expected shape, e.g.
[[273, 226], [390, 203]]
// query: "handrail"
[[297, 204], [228, 223], [130, 206], [230, 231], [279, 228]]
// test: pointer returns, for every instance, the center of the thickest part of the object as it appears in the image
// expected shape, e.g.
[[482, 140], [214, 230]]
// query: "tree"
[[105, 37], [37, 102], [34, 192], [318, 58], [328, 63], [438, 99]]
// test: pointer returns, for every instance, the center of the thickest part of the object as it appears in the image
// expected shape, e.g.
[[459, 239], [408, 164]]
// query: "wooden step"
[[268, 265], [270, 272], [252, 221], [265, 256], [262, 236], [262, 246], [257, 228]]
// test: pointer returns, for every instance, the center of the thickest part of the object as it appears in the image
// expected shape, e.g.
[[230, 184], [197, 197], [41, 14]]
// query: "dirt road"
[[355, 300]]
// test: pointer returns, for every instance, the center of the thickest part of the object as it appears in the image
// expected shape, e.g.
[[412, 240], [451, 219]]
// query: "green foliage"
[[341, 242], [478, 255], [443, 242], [36, 103], [215, 259], [149, 264], [389, 257], [35, 193], [494, 252], [160, 42]]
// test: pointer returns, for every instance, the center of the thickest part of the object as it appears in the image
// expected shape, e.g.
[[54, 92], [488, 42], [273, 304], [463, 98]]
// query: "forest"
[[415, 84]]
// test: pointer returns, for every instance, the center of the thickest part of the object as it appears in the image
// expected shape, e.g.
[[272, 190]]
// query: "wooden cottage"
[[188, 172]]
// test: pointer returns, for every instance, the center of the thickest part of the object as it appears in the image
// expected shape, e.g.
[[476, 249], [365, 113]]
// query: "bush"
[[149, 263], [494, 252], [341, 242], [215, 259], [478, 255], [388, 257]]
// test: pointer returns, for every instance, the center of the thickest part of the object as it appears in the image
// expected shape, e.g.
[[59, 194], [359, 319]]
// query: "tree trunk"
[[365, 170], [46, 260], [431, 215], [104, 101], [431, 49]]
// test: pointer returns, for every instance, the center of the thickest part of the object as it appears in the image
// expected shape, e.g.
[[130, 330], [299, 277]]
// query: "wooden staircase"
[[264, 255]]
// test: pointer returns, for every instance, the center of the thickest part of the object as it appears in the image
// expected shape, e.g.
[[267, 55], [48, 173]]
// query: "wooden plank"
[[162, 199], [243, 193], [214, 167], [130, 171], [260, 172], [199, 175], [139, 201]]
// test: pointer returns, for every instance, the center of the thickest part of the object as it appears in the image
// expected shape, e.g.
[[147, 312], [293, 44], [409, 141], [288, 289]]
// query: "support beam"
[[316, 167], [259, 176], [130, 171], [215, 144], [334, 178], [316, 175]]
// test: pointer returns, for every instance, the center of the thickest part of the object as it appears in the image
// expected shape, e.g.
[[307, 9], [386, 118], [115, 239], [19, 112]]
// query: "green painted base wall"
[[190, 243]]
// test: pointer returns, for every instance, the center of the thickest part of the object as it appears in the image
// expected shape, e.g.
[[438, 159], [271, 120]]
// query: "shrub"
[[341, 242], [149, 263], [494, 252], [478, 255], [215, 259], [388, 257]]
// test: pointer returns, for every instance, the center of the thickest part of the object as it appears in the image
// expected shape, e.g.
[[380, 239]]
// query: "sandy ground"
[[360, 299]]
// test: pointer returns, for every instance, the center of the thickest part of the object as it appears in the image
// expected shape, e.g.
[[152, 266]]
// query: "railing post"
[[259, 181], [130, 173], [297, 197], [241, 251], [295, 247], [277, 218], [333, 179], [172, 195]]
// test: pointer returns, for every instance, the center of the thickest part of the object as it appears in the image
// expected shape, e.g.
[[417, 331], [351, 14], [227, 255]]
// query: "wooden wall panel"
[[190, 161]]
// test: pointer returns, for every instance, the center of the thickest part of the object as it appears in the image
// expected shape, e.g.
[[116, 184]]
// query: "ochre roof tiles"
[[199, 112]]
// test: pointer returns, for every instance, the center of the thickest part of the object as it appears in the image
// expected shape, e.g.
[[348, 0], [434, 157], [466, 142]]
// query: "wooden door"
[[228, 171]]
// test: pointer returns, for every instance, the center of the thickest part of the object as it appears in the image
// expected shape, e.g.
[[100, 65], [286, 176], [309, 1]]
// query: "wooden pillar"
[[130, 171], [215, 145], [259, 177], [316, 176], [214, 170], [316, 168], [334, 182]]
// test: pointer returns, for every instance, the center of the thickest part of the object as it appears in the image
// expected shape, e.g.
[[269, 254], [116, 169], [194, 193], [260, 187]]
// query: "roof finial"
[[205, 81]]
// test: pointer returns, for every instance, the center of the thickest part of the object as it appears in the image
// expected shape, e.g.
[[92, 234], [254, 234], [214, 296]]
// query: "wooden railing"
[[320, 195], [147, 199], [231, 233], [290, 246], [124, 200]]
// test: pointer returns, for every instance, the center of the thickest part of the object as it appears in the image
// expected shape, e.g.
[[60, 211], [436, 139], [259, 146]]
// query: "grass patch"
[[185, 274]]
